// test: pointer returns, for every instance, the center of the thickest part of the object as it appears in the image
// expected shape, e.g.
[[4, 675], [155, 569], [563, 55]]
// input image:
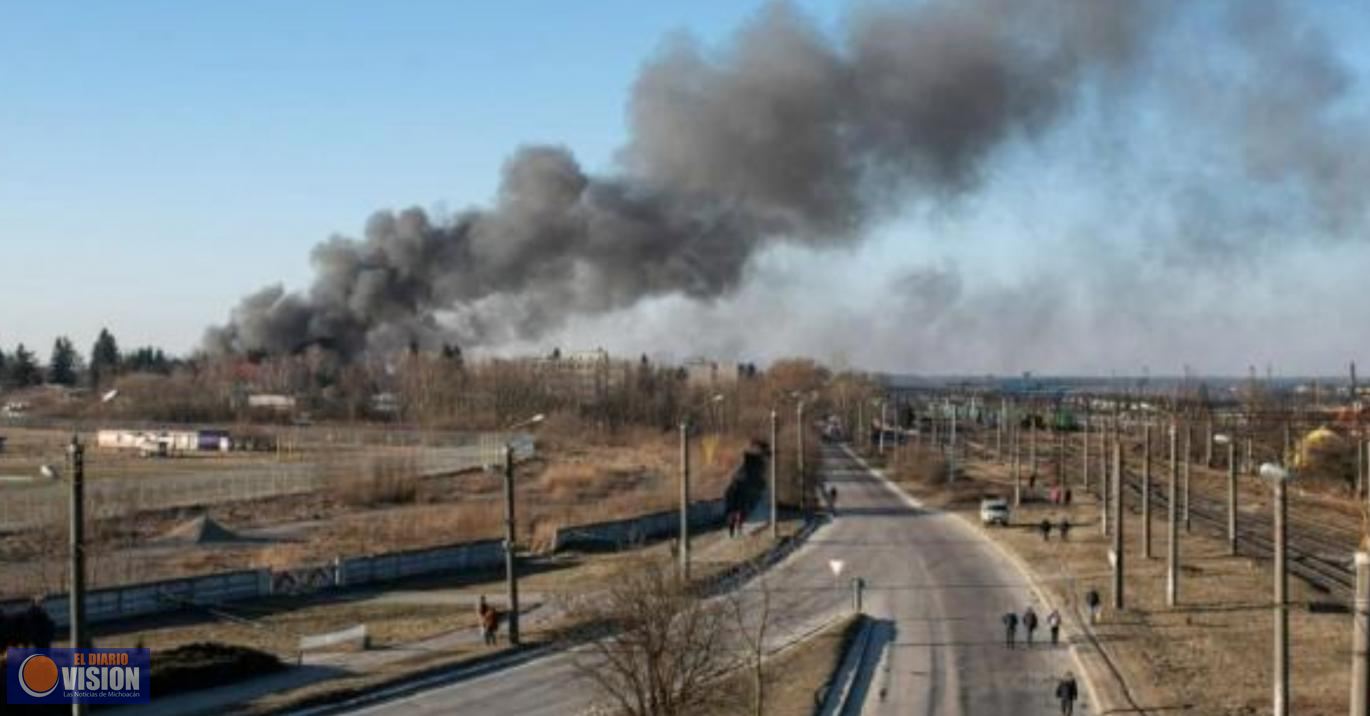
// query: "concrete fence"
[[626, 532], [151, 598]]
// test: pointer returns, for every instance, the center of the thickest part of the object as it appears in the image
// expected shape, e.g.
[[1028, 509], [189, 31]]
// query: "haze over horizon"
[[1176, 186]]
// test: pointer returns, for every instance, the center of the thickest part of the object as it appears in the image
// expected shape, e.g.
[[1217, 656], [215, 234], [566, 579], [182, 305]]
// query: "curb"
[[836, 695], [1033, 583]]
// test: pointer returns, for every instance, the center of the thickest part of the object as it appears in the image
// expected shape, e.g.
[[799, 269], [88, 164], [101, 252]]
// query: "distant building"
[[709, 375], [164, 441], [272, 402]]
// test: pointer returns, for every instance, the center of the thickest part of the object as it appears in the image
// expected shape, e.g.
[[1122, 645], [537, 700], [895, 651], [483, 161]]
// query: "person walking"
[[832, 500], [1067, 692], [1064, 528], [1054, 624], [1029, 623], [1045, 528], [484, 613], [1010, 629], [1095, 604]]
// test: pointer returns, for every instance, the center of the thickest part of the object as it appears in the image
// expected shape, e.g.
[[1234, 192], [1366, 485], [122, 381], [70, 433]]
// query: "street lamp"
[[1225, 439], [76, 592], [684, 539], [510, 566], [1278, 477]]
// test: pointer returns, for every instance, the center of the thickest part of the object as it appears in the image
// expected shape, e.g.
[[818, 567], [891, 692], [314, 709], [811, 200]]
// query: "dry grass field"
[[378, 504]]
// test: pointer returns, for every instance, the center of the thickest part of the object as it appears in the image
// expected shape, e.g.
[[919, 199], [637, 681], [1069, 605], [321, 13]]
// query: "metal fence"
[[35, 505]]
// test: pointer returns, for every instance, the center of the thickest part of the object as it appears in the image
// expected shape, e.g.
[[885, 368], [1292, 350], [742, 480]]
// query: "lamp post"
[[510, 558], [1278, 477], [1146, 491], [684, 538], [1225, 439], [882, 426], [1172, 571], [799, 449], [76, 591], [775, 458]]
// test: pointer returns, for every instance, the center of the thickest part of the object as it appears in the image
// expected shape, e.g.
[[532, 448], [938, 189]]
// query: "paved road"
[[936, 589]]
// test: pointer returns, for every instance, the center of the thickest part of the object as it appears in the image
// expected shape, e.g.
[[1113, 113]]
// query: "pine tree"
[[63, 365], [23, 370], [104, 358]]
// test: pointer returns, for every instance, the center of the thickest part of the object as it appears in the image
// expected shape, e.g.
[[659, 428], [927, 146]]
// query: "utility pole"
[[1104, 484], [1032, 446], [1187, 445], [1232, 497], [1060, 457], [1084, 460], [775, 459], [1172, 573], [1118, 556], [882, 426], [684, 539], [1250, 466], [511, 578], [1017, 467], [999, 434], [1103, 458], [1360, 639], [1208, 442], [951, 460], [1146, 491], [861, 425], [1281, 696], [76, 452]]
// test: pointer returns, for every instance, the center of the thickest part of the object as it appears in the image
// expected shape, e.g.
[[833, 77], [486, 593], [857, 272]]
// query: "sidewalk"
[[319, 667]]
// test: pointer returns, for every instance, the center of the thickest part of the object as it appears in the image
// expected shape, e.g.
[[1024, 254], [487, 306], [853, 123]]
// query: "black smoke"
[[784, 135]]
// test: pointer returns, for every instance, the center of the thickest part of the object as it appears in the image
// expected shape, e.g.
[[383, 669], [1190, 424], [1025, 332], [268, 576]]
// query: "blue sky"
[[159, 160]]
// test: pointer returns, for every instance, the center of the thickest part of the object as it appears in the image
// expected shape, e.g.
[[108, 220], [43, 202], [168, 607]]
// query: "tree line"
[[66, 366]]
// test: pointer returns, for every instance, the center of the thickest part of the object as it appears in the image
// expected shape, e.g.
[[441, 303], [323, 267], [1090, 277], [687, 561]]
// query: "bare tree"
[[751, 612], [664, 644]]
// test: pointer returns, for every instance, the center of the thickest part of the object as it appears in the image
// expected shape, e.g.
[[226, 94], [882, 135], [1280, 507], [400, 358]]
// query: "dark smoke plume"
[[785, 135]]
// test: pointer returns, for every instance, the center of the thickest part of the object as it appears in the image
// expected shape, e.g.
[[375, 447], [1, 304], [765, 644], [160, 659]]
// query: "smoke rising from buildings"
[[790, 138], [783, 136]]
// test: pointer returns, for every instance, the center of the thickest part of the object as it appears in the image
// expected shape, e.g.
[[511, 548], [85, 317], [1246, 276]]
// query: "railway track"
[[1320, 554]]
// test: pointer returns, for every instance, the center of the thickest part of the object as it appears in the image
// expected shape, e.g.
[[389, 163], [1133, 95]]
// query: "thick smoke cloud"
[[783, 136]]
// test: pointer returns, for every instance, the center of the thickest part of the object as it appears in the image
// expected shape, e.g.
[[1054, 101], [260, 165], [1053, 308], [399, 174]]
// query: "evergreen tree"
[[147, 360], [104, 358], [4, 368], [23, 370], [65, 362]]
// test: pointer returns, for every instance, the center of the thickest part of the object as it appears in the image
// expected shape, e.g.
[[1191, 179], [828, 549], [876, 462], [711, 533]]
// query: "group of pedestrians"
[[1067, 691], [1030, 622], [1063, 527]]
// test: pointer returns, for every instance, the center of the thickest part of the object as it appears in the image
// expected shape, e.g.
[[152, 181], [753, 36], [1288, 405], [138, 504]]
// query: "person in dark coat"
[[1045, 527], [1029, 623], [1067, 693], [1064, 528], [1010, 629], [1095, 604], [1054, 624]]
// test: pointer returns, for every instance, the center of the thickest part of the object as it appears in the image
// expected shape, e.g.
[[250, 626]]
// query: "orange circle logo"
[[38, 675]]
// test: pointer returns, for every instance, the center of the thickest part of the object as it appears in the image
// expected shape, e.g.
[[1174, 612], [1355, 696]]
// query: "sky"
[[159, 161]]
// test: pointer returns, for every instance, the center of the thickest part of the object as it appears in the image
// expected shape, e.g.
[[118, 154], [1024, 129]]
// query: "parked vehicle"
[[994, 511]]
